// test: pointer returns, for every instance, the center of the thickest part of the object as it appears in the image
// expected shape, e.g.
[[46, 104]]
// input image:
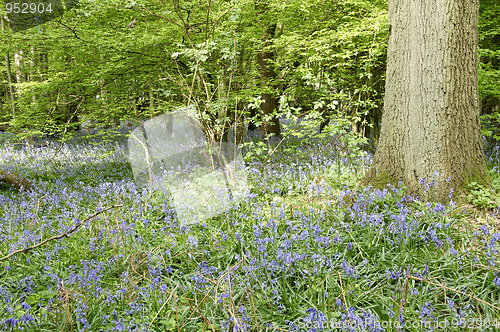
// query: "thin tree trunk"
[[431, 111], [44, 65], [9, 72], [19, 62], [270, 102]]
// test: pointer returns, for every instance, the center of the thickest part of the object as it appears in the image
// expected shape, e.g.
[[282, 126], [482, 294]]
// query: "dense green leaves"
[[91, 66], [489, 69]]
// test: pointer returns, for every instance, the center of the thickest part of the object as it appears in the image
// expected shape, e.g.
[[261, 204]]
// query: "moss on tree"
[[382, 179]]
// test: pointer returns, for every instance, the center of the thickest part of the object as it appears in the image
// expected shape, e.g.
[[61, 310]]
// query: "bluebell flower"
[[192, 241]]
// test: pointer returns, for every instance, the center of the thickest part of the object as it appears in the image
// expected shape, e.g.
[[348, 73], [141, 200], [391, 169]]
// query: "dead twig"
[[342, 289], [164, 303], [271, 154], [456, 291], [403, 297], [216, 284], [361, 252]]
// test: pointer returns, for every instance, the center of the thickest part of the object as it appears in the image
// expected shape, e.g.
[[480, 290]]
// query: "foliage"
[[481, 196], [302, 141], [489, 69], [88, 67], [304, 250], [335, 62], [489, 37]]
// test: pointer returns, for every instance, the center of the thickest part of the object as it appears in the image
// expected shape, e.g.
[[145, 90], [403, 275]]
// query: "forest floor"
[[304, 251]]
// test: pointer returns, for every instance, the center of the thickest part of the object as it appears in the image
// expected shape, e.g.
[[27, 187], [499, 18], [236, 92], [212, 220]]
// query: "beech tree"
[[431, 125]]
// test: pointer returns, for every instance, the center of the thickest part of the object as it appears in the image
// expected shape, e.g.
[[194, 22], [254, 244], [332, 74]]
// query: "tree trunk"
[[17, 181], [19, 62], [431, 110], [9, 72], [270, 102]]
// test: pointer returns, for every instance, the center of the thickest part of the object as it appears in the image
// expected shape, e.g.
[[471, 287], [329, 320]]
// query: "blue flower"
[[497, 281], [192, 241]]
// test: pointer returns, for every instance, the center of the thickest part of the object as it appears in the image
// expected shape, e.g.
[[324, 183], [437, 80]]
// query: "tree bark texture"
[[431, 108]]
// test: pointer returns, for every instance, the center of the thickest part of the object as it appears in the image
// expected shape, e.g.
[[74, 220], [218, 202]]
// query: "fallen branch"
[[16, 180], [67, 234], [403, 298], [164, 303], [270, 155]]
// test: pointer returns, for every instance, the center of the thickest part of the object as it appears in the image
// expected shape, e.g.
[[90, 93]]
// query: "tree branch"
[[67, 234]]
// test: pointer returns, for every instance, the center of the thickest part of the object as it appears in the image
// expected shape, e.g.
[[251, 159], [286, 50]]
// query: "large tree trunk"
[[431, 110], [270, 102], [17, 181]]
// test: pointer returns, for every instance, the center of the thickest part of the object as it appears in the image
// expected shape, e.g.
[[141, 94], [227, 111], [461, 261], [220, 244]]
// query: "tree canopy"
[[91, 65]]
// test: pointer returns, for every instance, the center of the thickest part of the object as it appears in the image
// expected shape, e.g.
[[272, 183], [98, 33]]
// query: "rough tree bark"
[[431, 109], [17, 181]]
